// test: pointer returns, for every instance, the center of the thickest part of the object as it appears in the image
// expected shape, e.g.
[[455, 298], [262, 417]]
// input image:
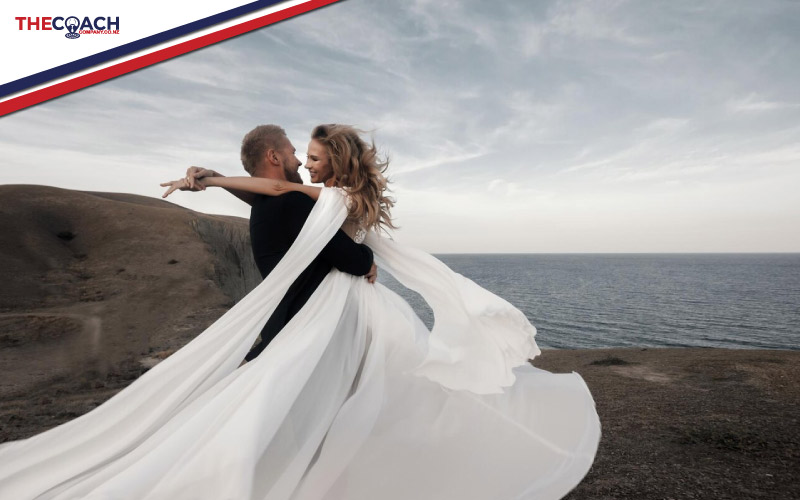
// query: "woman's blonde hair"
[[358, 169]]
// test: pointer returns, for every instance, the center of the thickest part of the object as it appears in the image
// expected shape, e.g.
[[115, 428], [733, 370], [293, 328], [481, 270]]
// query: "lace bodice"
[[354, 228]]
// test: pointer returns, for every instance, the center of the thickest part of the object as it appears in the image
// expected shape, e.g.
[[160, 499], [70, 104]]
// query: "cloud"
[[753, 102], [503, 120]]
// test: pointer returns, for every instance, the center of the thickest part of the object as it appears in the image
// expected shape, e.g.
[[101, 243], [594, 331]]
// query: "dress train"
[[355, 399]]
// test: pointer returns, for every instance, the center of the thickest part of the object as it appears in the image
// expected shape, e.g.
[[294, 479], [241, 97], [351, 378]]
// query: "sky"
[[515, 126]]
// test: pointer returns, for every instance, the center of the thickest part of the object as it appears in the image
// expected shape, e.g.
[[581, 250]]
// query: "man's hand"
[[195, 173], [372, 275]]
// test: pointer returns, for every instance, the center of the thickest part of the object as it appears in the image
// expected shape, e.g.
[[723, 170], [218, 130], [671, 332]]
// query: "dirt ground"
[[690, 423], [677, 423]]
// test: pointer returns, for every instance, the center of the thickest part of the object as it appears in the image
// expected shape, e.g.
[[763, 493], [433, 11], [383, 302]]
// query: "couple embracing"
[[348, 395], [280, 205]]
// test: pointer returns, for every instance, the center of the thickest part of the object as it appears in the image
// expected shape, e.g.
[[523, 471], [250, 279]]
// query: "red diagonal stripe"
[[140, 62]]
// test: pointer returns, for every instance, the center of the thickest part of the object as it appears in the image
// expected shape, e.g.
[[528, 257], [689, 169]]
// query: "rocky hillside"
[[98, 285]]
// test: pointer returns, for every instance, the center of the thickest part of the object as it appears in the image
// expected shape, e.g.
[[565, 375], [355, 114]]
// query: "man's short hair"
[[257, 142]]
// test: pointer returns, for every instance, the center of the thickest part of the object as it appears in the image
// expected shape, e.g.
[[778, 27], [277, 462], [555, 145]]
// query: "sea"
[[579, 301]]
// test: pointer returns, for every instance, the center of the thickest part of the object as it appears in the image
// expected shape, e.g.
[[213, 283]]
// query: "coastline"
[[690, 422], [98, 297], [677, 422]]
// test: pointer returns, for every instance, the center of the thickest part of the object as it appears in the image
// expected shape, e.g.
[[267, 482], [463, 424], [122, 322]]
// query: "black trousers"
[[291, 303]]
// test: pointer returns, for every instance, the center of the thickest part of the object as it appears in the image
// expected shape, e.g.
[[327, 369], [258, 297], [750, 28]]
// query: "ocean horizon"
[[602, 300]]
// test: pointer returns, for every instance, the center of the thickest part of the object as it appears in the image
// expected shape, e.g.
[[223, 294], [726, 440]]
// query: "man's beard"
[[292, 175]]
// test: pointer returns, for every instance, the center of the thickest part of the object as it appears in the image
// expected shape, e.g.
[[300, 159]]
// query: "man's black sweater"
[[275, 222]]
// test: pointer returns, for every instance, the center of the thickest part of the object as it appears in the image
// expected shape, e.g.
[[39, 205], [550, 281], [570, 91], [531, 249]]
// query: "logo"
[[72, 23]]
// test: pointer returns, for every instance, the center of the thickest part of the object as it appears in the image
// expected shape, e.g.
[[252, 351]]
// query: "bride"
[[354, 399]]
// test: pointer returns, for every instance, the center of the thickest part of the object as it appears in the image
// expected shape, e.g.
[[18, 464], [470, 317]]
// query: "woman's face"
[[318, 163]]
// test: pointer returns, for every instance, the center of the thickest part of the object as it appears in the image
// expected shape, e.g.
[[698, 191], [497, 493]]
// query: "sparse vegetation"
[[610, 361]]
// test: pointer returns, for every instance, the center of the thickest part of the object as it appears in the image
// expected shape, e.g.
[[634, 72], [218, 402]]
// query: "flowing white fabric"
[[355, 399]]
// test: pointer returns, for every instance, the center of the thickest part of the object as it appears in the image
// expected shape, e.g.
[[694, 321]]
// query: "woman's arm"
[[194, 174], [272, 187]]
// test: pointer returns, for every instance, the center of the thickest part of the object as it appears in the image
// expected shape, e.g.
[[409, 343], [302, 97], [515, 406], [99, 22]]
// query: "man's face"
[[290, 162], [318, 162]]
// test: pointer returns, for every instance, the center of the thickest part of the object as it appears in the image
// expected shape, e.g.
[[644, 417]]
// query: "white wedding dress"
[[354, 400]]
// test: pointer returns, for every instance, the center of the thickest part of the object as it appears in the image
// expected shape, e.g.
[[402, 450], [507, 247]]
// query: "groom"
[[275, 222]]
